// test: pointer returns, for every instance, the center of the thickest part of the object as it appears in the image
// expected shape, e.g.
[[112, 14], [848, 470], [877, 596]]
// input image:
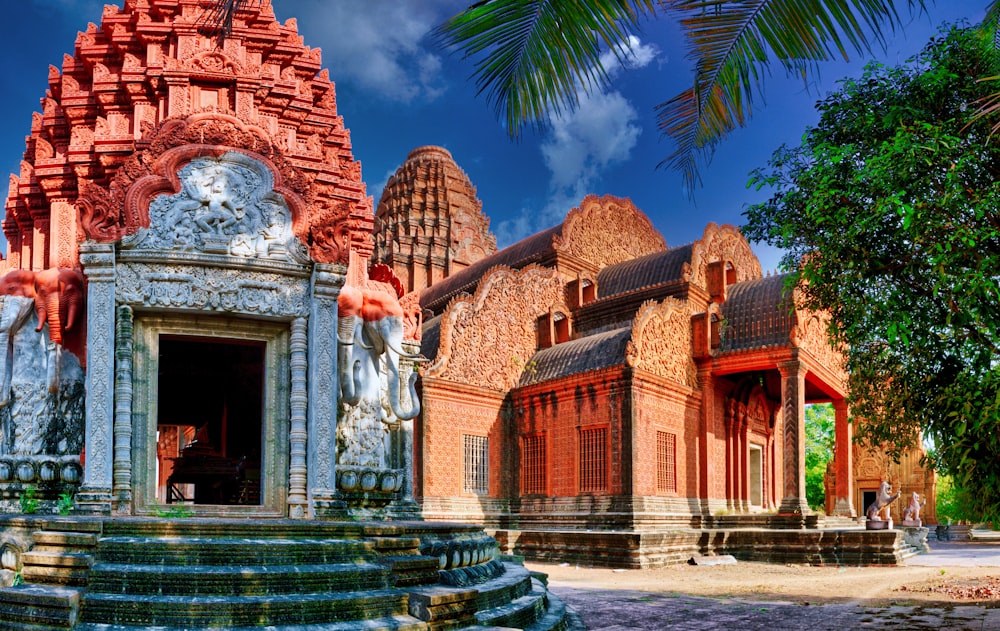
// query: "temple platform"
[[91, 574]]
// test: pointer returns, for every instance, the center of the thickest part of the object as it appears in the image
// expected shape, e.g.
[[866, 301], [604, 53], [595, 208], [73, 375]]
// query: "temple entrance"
[[756, 477], [209, 420], [210, 415]]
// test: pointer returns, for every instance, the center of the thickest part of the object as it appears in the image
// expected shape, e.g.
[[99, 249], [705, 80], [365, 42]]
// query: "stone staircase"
[[54, 572], [283, 575]]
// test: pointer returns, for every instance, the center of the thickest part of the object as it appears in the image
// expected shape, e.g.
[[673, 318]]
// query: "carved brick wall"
[[658, 409], [561, 409]]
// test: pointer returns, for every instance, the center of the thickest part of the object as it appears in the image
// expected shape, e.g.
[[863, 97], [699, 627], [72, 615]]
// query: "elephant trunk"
[[394, 402], [55, 357], [349, 331], [48, 313]]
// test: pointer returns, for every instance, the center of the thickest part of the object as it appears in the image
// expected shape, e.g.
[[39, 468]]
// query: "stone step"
[[236, 611], [387, 623], [74, 525], [222, 551], [514, 583], [57, 559], [236, 580], [63, 539], [55, 575], [260, 529], [520, 613], [30, 607]]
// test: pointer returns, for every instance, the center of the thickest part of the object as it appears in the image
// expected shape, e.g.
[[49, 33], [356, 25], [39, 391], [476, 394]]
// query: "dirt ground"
[[795, 583]]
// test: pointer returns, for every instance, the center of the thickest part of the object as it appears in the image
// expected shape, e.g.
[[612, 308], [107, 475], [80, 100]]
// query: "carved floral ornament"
[[595, 232], [487, 339], [661, 341], [811, 333], [319, 215], [723, 243]]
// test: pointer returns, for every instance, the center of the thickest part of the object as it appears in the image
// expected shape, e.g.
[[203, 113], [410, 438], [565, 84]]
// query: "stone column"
[[62, 228], [843, 462], [743, 473], [793, 402], [323, 386], [298, 432], [706, 468], [730, 454], [122, 475], [98, 261]]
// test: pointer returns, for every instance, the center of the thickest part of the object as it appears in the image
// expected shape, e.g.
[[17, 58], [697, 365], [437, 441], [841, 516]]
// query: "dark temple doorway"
[[209, 420]]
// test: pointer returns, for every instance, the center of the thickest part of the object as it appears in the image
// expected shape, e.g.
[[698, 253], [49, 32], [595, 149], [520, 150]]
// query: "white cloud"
[[380, 47], [580, 145]]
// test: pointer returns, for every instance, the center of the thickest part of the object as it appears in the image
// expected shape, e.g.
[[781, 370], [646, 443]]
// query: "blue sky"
[[396, 92]]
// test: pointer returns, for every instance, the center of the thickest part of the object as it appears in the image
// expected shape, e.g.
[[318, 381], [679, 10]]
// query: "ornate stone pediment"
[[723, 243], [607, 230], [661, 341], [226, 205]]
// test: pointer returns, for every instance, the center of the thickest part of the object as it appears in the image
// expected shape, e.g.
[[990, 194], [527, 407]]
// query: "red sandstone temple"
[[591, 376]]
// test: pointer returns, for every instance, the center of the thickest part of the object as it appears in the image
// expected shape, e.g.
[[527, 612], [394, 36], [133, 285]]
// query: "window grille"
[[593, 460], [533, 474], [476, 472], [666, 462]]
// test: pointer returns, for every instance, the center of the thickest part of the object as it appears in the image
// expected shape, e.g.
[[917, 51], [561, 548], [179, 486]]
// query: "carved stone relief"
[[661, 341], [811, 334], [723, 243], [212, 289], [226, 206], [486, 340], [595, 232]]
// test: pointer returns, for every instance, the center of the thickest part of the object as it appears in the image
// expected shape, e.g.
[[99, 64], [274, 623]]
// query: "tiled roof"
[[585, 354], [758, 313], [516, 256], [430, 338], [645, 271]]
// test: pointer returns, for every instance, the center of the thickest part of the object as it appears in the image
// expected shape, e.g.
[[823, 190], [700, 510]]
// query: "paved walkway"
[[604, 609]]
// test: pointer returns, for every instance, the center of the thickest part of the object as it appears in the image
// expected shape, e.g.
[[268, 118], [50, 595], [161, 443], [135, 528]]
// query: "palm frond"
[[733, 42], [217, 20], [534, 57]]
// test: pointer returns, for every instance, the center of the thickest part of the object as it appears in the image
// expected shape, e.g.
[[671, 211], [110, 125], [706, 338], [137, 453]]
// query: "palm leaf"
[[733, 42], [534, 57], [217, 20]]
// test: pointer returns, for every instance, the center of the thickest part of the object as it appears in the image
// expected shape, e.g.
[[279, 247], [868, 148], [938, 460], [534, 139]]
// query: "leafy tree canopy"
[[820, 438], [890, 215]]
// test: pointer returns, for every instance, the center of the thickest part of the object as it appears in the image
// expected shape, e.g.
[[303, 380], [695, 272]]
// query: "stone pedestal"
[[917, 537], [878, 524]]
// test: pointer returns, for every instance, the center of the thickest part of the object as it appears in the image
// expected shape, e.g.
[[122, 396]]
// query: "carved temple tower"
[[210, 199], [430, 222]]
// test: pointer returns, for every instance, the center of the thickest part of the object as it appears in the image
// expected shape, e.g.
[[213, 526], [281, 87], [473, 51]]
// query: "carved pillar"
[[744, 469], [793, 402], [843, 462], [730, 465], [62, 228], [298, 503], [122, 474], [40, 240], [706, 466], [324, 389], [98, 261]]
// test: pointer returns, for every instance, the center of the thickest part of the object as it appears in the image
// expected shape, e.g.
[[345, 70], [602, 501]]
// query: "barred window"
[[666, 462], [593, 459], [533, 465], [476, 463]]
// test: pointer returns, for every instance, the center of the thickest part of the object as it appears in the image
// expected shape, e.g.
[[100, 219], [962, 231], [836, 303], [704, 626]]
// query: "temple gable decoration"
[[723, 243], [594, 232], [226, 205], [812, 334], [487, 339], [661, 341]]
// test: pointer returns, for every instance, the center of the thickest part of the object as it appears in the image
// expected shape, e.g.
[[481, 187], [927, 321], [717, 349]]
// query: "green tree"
[[820, 439], [890, 215]]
